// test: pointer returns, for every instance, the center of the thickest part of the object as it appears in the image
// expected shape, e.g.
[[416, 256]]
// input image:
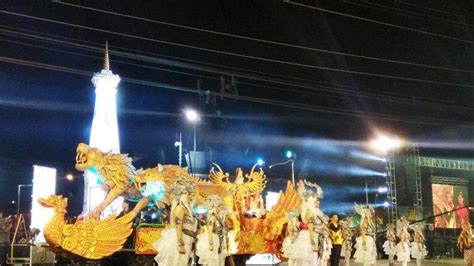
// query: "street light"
[[292, 157], [70, 177], [193, 117]]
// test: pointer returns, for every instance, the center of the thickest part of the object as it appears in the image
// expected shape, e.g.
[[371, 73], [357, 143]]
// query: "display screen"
[[447, 198]]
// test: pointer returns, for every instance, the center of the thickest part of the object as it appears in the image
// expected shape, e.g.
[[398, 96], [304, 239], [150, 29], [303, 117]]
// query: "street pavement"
[[424, 262]]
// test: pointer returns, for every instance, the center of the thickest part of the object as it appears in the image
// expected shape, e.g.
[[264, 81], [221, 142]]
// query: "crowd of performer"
[[311, 238]]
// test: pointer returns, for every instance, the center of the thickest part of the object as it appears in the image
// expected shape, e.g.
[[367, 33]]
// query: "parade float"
[[252, 229]]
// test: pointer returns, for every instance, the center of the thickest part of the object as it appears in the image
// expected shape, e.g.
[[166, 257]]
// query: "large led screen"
[[447, 198]]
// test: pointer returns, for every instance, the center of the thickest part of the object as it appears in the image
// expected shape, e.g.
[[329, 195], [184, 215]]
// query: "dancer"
[[211, 247], [464, 243], [175, 244], [390, 244], [418, 248], [293, 231], [335, 230], [366, 252], [346, 249], [312, 226], [402, 250], [326, 249]]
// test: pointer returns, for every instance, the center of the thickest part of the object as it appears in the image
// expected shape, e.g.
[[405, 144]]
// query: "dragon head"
[[58, 202], [87, 157]]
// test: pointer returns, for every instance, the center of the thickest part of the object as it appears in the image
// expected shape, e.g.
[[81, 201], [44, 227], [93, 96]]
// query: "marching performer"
[[366, 252], [418, 248], [465, 244], [390, 244], [175, 244], [346, 249], [293, 231], [402, 250], [308, 244], [211, 247], [326, 251]]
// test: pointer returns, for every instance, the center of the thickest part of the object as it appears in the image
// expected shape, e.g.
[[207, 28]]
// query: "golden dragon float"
[[254, 230]]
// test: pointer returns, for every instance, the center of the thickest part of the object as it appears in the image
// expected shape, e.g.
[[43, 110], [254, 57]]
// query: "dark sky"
[[414, 62]]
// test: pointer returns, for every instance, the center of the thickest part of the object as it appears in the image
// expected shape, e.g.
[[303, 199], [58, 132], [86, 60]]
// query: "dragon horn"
[[218, 167], [253, 169]]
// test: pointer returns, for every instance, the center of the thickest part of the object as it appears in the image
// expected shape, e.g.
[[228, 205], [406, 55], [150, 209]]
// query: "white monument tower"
[[104, 134]]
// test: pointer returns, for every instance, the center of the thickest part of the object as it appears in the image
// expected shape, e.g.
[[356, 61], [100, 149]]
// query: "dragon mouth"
[[81, 161], [45, 203]]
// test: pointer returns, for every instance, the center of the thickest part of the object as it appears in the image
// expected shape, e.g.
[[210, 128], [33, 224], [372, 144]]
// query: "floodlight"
[[382, 189], [385, 143], [289, 154], [260, 162], [386, 204]]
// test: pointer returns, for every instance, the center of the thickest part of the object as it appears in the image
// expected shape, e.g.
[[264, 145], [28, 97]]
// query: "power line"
[[263, 40], [408, 13], [338, 111], [332, 90], [344, 71], [380, 22], [430, 9]]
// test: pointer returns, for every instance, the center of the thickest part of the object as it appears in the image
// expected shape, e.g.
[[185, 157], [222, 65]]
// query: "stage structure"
[[392, 187], [104, 134], [413, 183]]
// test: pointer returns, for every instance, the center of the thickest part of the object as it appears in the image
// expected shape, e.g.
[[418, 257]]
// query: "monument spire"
[[106, 57]]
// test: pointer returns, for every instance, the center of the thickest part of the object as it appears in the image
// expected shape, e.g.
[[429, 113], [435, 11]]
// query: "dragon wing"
[[256, 181], [94, 239], [276, 218], [220, 178]]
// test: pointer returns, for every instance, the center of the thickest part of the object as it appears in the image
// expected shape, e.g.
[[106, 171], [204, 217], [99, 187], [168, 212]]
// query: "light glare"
[[385, 143], [192, 115]]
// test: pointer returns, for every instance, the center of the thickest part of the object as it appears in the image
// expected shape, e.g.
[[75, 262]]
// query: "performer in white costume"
[[346, 249], [326, 247], [211, 247], [390, 244], [175, 244], [366, 252], [418, 248], [465, 244], [312, 226], [293, 231], [402, 250]]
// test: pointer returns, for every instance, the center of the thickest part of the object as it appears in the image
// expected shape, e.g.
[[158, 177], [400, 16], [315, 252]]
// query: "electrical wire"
[[380, 22], [400, 101], [332, 90], [407, 13], [339, 70], [312, 49], [327, 110]]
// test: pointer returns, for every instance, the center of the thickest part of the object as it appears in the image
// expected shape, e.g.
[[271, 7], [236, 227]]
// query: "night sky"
[[329, 86]]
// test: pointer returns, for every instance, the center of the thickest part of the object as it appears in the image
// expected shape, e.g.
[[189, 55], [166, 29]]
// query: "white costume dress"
[[217, 256], [366, 252], [168, 246], [418, 250], [303, 253], [402, 251], [326, 250]]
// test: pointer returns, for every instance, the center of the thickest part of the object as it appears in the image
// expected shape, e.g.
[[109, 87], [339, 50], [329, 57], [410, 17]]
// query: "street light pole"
[[366, 194], [19, 196], [292, 162], [194, 132]]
